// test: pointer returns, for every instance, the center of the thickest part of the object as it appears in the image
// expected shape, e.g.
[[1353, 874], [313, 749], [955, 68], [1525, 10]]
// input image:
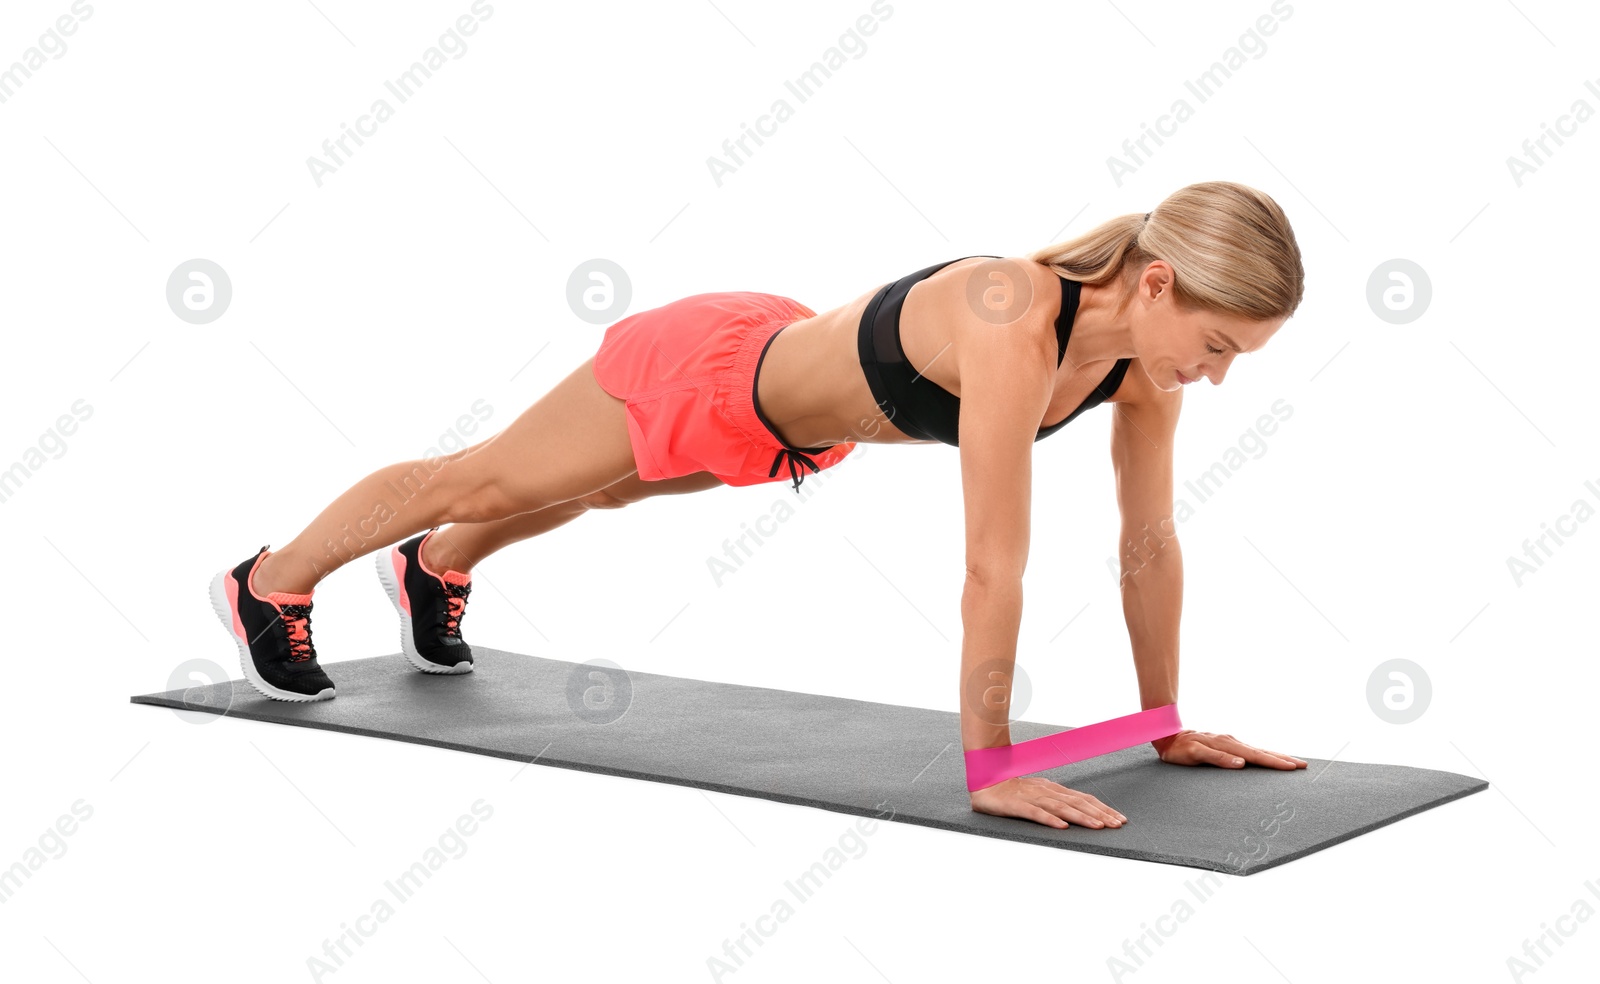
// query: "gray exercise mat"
[[850, 756]]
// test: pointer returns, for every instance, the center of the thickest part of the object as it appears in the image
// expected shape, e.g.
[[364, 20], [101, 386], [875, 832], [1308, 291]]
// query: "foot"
[[430, 605], [274, 635]]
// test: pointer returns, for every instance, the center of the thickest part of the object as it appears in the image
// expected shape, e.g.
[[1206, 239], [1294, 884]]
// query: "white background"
[[369, 313]]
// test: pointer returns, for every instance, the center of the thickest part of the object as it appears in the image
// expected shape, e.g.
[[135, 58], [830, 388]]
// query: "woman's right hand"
[[1046, 802]]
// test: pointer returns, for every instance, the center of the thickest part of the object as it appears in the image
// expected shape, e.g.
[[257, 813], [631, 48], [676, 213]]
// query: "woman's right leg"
[[571, 442]]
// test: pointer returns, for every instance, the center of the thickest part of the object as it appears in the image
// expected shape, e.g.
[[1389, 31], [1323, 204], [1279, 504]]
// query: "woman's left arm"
[[1151, 572], [1150, 576]]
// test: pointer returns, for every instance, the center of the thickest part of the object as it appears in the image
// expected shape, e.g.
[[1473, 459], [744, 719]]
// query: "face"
[[1177, 345]]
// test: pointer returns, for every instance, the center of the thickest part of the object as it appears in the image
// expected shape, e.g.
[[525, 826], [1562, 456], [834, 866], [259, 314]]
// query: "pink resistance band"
[[987, 766]]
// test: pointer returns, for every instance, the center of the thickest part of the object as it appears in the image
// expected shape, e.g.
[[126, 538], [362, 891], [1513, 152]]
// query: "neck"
[[1098, 333]]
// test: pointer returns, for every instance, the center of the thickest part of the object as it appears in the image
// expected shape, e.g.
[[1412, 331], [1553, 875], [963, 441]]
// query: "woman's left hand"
[[1189, 747]]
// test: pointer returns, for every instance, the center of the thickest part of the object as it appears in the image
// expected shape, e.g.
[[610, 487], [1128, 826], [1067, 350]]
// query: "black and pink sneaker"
[[431, 606], [273, 633]]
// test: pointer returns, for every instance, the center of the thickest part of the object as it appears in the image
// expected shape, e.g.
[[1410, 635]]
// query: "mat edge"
[[1024, 836]]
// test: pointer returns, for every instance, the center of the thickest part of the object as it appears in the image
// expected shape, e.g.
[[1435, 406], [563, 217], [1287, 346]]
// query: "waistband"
[[746, 413]]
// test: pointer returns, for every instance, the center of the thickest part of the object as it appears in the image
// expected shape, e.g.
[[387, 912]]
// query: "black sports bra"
[[923, 409]]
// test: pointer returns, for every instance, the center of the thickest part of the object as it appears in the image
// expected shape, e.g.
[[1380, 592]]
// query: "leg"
[[571, 442], [460, 547], [428, 578]]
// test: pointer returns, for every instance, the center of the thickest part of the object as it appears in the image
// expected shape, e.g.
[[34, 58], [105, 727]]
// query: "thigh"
[[634, 489], [571, 442]]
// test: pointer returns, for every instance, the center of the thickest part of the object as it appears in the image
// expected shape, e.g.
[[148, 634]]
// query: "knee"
[[476, 507], [489, 503], [603, 499], [476, 492], [472, 494]]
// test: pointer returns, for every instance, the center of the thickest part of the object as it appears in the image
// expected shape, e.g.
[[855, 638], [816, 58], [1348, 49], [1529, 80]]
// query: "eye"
[[1213, 351]]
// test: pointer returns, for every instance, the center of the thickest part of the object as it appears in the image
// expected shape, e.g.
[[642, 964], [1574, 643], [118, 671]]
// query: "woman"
[[986, 353]]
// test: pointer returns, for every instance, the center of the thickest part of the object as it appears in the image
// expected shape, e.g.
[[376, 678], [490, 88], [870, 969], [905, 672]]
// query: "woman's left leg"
[[460, 546]]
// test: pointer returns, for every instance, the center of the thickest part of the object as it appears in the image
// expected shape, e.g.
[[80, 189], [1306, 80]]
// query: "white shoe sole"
[[391, 587], [219, 604]]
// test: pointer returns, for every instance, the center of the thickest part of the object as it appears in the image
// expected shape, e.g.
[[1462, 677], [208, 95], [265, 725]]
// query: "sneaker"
[[430, 605], [273, 633]]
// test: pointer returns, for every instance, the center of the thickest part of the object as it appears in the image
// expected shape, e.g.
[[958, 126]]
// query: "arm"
[[1007, 374], [1152, 574], [1005, 389], [1151, 580]]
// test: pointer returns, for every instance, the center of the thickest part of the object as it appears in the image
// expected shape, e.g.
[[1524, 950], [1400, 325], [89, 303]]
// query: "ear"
[[1156, 280]]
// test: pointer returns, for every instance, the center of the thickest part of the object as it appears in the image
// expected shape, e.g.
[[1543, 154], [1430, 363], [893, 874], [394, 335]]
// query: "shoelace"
[[456, 600], [297, 618], [795, 473]]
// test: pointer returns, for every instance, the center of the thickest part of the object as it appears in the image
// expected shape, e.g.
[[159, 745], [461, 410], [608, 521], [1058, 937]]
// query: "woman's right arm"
[[1006, 383]]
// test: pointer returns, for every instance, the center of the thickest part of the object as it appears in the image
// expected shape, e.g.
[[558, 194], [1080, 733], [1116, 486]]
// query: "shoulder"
[[1039, 273], [1003, 289], [1007, 290], [1044, 286], [975, 297]]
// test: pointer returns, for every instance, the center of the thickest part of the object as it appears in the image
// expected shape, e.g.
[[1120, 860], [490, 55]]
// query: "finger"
[[1218, 757], [1083, 813], [1045, 817], [1276, 760], [1094, 807], [1260, 756], [1080, 799], [1210, 750], [1279, 760], [1087, 802], [1293, 763]]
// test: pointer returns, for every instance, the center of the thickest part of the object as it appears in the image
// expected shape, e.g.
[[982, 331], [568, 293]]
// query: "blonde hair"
[[1230, 247]]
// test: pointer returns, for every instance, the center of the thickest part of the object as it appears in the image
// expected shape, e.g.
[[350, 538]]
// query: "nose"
[[1222, 371]]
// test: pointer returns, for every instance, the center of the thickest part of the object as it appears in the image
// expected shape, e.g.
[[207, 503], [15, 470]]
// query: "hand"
[[1189, 747], [1046, 802]]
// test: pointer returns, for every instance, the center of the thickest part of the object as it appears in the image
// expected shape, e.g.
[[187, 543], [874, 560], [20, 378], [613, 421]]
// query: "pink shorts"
[[687, 371]]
